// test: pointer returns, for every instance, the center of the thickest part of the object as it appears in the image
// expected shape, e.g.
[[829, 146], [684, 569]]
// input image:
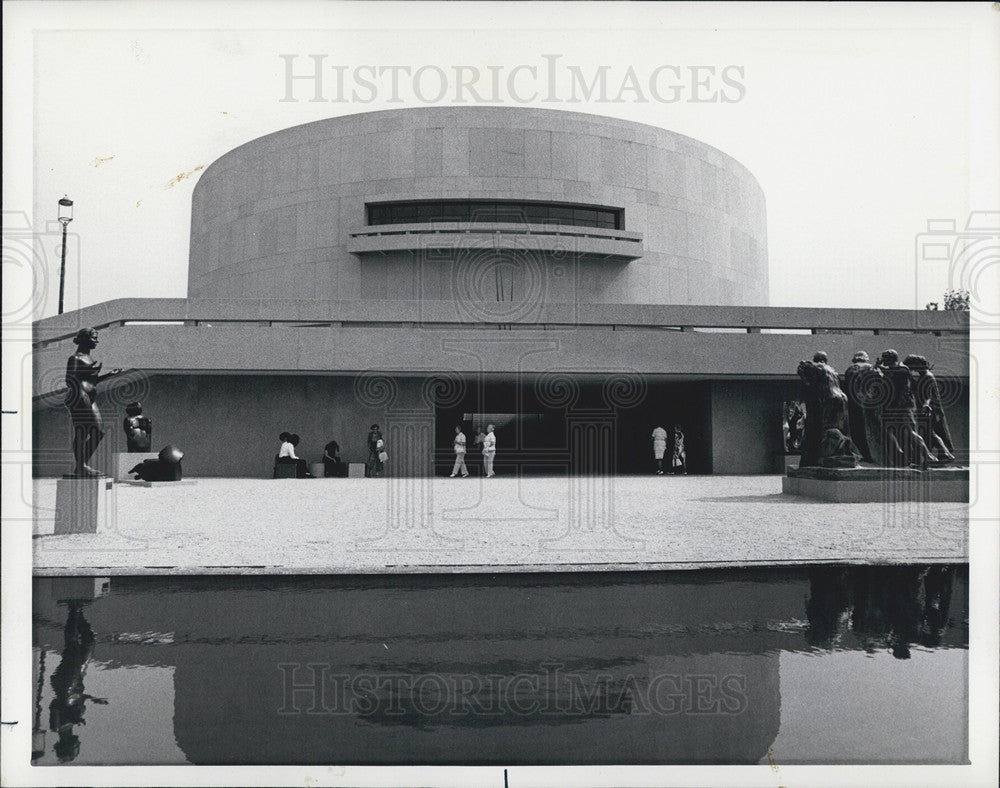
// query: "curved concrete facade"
[[284, 216]]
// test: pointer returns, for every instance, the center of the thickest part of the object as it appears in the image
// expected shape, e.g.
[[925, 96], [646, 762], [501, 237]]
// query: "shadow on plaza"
[[769, 498]]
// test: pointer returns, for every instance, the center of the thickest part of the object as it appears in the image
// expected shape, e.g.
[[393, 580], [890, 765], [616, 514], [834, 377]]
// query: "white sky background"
[[860, 123]]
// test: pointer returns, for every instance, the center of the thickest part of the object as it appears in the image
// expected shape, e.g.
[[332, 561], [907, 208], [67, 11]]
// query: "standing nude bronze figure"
[[82, 377]]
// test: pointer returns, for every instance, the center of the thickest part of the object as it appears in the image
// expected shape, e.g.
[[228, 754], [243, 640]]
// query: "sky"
[[860, 123]]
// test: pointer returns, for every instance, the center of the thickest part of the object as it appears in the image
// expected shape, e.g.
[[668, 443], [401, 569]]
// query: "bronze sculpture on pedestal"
[[825, 441], [82, 377], [902, 445], [931, 422]]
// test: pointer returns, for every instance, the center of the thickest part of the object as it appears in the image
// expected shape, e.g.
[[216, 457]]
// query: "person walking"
[[375, 464], [679, 459], [459, 445], [489, 451], [659, 448]]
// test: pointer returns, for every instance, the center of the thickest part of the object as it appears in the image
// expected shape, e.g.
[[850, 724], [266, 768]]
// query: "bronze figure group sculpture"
[[891, 414]]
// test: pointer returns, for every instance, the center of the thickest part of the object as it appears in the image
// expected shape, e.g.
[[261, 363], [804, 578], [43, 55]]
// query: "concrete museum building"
[[574, 279]]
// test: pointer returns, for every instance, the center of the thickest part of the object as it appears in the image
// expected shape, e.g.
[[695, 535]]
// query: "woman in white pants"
[[459, 446], [489, 451]]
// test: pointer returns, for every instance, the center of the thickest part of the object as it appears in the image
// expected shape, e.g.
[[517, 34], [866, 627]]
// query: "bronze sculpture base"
[[871, 484]]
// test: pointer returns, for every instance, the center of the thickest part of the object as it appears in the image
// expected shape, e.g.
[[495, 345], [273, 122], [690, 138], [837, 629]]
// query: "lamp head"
[[65, 210]]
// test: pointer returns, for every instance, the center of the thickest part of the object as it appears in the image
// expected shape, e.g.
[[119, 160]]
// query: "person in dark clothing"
[[375, 464], [332, 464]]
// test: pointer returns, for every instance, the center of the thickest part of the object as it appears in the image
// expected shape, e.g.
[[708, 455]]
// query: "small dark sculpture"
[[792, 425], [138, 429], [165, 468], [82, 377], [931, 422], [860, 413], [902, 445], [825, 441]]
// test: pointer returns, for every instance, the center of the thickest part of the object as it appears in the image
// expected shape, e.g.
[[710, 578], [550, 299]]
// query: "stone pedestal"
[[786, 462], [85, 506], [125, 461], [879, 485]]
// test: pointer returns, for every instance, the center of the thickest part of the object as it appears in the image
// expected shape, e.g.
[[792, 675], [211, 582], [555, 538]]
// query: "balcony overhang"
[[439, 239]]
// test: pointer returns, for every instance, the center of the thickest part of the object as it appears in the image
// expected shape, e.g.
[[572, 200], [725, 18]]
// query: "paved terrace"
[[311, 526]]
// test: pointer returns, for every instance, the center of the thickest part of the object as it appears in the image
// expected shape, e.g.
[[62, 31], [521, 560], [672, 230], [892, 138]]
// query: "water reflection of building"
[[705, 647]]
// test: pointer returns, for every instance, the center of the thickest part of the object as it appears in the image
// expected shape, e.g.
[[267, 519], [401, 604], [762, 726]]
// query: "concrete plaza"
[[289, 526]]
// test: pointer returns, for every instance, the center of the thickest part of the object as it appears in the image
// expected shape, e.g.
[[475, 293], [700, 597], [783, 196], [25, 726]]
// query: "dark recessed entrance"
[[558, 424]]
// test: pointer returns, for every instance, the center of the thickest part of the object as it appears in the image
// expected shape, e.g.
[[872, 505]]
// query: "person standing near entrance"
[[459, 445], [659, 448], [489, 451], [375, 464], [679, 459]]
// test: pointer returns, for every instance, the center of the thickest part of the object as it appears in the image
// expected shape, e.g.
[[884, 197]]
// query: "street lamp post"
[[65, 217]]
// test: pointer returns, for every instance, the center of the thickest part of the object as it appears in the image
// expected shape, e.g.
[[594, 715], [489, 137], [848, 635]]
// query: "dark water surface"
[[786, 665]]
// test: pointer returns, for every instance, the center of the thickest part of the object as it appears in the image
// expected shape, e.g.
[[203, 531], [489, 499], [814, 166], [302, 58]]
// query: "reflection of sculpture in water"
[[825, 440], [138, 428], [891, 606], [902, 445], [829, 601], [82, 377], [938, 585], [68, 705], [931, 422], [37, 730]]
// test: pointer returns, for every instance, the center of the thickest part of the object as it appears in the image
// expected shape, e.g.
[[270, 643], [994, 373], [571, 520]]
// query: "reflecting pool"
[[811, 664]]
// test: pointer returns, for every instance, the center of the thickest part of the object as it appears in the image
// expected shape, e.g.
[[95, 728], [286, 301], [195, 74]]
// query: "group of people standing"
[[678, 457], [488, 441]]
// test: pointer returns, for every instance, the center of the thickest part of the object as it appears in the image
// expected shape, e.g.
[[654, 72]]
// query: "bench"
[[284, 470]]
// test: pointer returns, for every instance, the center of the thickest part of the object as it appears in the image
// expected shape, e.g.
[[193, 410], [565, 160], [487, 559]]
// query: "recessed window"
[[491, 211]]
